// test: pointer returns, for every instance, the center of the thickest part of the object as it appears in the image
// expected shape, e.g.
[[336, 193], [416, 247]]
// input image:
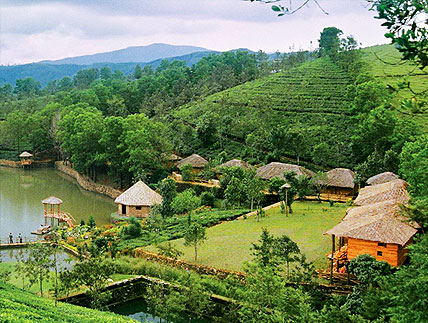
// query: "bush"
[[185, 201], [132, 230], [186, 172], [207, 198]]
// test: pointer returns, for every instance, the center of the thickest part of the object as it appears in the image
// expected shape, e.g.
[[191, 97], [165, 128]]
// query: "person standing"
[[10, 238], [20, 237]]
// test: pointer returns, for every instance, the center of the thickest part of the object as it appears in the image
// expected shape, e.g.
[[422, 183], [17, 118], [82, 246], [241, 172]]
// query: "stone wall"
[[87, 183], [10, 163], [200, 269]]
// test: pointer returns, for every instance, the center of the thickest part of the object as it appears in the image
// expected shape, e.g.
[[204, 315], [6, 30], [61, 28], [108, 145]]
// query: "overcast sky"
[[34, 30]]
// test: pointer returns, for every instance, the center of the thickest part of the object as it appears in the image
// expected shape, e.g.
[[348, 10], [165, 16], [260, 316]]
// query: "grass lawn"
[[228, 244]]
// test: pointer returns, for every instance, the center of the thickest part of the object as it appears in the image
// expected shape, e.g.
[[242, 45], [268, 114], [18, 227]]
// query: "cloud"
[[34, 30]]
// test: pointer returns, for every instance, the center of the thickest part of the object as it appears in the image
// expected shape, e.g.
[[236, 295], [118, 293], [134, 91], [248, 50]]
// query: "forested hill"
[[306, 108], [44, 73]]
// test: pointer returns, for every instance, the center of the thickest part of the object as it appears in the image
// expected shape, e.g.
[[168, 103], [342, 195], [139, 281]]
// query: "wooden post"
[[286, 202], [332, 257]]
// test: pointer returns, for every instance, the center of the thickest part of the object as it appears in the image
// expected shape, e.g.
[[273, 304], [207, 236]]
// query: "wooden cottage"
[[382, 178], [276, 169], [196, 161], [26, 159], [394, 190], [376, 229], [376, 226], [137, 200], [340, 185]]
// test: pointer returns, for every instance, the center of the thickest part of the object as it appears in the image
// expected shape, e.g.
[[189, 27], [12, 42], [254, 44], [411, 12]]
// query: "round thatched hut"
[[137, 200], [276, 169], [26, 159]]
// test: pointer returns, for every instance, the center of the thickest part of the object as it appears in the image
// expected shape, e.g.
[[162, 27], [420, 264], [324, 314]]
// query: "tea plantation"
[[17, 305]]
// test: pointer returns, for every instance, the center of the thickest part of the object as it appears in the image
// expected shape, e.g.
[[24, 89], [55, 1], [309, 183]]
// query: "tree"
[[93, 273], [235, 192], [187, 172], [286, 250], [254, 187], [414, 166], [207, 199], [195, 235], [319, 183], [37, 264], [185, 201], [168, 191], [264, 251], [91, 222], [329, 42]]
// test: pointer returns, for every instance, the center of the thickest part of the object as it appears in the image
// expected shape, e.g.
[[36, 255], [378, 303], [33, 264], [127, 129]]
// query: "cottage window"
[[379, 253], [138, 207], [381, 244]]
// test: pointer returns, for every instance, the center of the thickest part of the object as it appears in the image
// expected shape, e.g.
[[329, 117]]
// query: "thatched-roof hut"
[[137, 200], [382, 178], [377, 229], [196, 161], [276, 169], [394, 190], [340, 184], [25, 154], [235, 163]]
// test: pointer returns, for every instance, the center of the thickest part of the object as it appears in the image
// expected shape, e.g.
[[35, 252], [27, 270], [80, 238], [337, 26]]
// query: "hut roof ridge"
[[139, 194], [277, 169], [194, 160], [382, 178], [341, 177], [393, 190]]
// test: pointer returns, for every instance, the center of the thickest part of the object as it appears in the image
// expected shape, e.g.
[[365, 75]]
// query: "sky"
[[35, 30]]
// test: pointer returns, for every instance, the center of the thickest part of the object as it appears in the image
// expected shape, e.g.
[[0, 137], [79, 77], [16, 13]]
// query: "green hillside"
[[17, 305], [384, 62], [311, 99]]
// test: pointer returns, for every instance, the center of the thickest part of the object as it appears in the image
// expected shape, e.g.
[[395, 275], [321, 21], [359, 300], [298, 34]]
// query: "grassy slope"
[[384, 62], [19, 306], [229, 243], [308, 96]]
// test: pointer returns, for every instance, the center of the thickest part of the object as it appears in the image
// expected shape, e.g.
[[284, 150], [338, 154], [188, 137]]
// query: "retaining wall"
[[86, 183]]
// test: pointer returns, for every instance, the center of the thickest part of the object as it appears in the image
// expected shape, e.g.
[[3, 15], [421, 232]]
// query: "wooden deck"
[[19, 245]]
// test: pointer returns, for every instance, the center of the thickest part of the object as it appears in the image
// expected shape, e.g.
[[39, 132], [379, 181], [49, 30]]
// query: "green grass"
[[229, 243], [17, 305]]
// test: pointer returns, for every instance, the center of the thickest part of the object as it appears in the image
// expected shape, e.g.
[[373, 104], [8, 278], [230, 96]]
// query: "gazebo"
[[137, 200], [51, 206], [26, 159]]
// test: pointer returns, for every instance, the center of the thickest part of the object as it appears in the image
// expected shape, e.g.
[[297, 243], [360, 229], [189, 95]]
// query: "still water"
[[21, 193]]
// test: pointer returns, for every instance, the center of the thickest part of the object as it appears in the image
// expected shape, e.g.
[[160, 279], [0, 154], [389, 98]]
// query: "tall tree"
[[194, 236]]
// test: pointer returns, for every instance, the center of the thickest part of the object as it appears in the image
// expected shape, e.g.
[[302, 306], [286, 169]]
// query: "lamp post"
[[286, 186]]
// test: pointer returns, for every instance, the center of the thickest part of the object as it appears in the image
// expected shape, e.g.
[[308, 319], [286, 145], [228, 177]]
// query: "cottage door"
[[123, 209]]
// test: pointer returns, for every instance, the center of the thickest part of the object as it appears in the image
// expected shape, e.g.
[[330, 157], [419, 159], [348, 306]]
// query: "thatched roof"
[[174, 157], [52, 200], [341, 177], [195, 160], [235, 162], [276, 169], [379, 222], [394, 190], [25, 154], [382, 178], [139, 194]]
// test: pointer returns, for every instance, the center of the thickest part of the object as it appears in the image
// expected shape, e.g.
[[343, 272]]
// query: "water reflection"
[[21, 192]]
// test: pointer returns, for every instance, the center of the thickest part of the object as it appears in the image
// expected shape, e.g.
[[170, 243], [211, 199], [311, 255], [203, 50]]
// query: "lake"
[[21, 193]]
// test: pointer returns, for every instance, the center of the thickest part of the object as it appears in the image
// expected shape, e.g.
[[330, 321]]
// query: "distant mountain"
[[140, 54], [44, 73]]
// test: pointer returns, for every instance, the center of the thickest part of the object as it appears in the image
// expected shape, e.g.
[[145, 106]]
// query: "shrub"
[[132, 230], [186, 172], [185, 201], [207, 198]]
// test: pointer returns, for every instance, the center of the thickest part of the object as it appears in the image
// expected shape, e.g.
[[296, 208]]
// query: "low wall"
[[10, 163], [35, 164], [200, 269], [86, 183]]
